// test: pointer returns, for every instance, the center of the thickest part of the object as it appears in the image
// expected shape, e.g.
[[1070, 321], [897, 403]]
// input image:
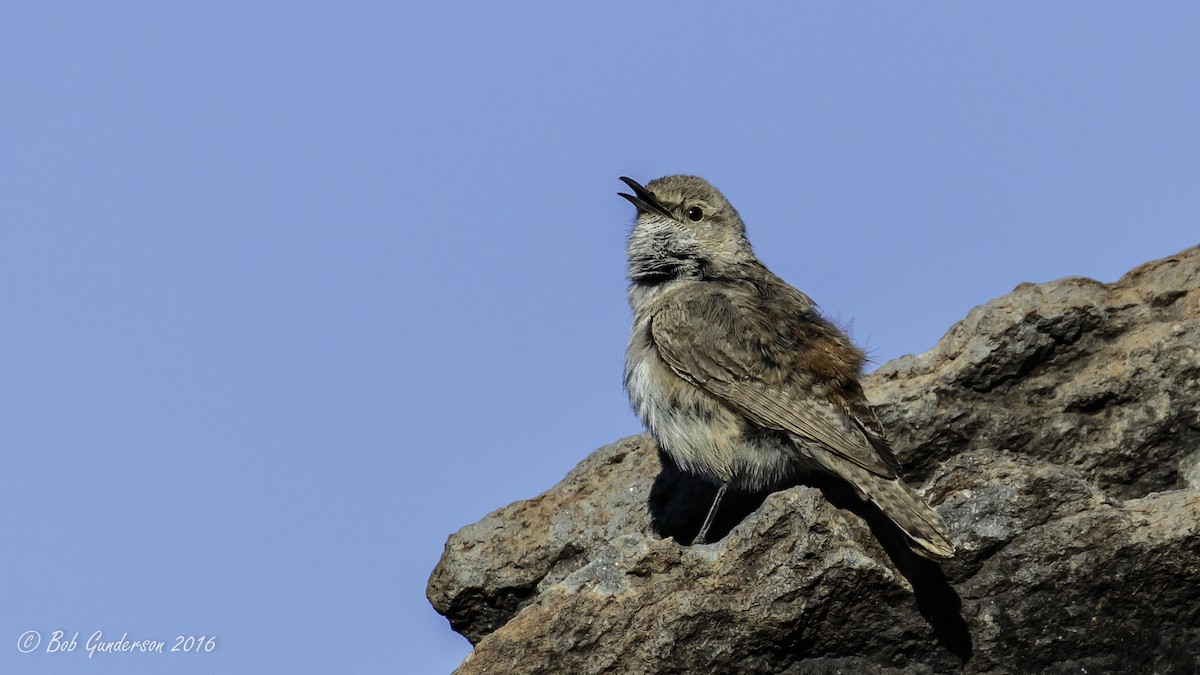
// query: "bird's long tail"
[[926, 530]]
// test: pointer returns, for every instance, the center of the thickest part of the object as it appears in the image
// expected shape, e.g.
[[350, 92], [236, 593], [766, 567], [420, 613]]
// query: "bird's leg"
[[702, 535]]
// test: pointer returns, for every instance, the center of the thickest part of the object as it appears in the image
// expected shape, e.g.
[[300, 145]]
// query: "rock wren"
[[737, 375]]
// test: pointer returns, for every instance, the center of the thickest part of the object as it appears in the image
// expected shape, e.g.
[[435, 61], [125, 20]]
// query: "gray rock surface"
[[1057, 431]]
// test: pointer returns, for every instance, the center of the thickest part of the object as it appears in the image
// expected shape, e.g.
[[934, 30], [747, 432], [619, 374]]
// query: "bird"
[[737, 375]]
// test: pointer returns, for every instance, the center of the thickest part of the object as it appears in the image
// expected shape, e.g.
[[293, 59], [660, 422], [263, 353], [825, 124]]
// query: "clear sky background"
[[289, 292]]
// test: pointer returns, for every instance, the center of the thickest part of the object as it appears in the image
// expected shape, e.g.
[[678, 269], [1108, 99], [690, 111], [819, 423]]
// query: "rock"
[[1057, 431]]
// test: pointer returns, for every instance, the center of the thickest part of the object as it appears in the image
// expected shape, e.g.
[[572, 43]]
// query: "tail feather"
[[926, 530]]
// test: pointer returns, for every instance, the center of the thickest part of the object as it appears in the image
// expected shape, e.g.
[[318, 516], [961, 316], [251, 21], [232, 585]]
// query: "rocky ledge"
[[1057, 431]]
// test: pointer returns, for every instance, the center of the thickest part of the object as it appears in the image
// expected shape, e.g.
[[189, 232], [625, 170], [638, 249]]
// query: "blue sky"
[[292, 291]]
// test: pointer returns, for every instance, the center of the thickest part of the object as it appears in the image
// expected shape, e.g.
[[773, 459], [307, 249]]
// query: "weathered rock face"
[[1057, 431]]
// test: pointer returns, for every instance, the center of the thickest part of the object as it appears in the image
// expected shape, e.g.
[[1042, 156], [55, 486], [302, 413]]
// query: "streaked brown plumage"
[[737, 375]]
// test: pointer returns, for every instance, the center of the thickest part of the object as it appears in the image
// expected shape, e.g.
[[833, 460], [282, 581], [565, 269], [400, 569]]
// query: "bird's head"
[[685, 229]]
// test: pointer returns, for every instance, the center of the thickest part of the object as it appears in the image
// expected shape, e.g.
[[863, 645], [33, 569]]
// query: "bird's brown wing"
[[863, 415], [722, 343]]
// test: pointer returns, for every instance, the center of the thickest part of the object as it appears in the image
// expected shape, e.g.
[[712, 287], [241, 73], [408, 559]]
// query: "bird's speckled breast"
[[698, 431]]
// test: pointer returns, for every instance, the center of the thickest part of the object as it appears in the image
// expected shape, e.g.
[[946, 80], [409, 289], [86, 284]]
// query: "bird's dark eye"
[[695, 213]]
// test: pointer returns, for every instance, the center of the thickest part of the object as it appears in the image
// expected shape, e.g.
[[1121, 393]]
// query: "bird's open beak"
[[644, 199]]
